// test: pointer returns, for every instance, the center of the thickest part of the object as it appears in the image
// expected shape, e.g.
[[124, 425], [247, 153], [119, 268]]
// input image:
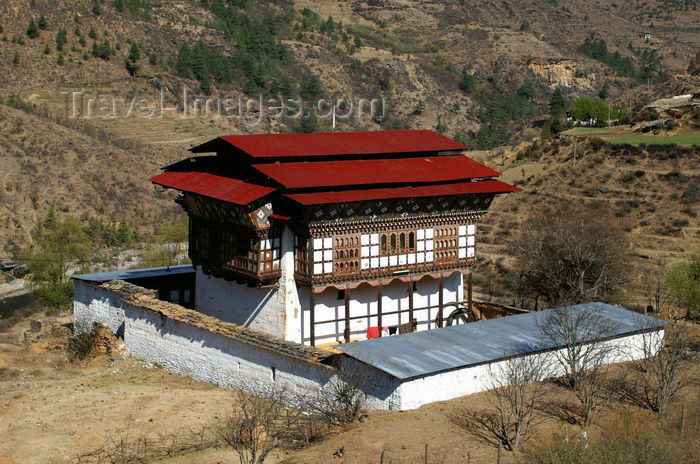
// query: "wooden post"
[[469, 291], [381, 459], [379, 306], [312, 318], [426, 453], [469, 457], [500, 451], [410, 299], [566, 434], [347, 315], [440, 301]]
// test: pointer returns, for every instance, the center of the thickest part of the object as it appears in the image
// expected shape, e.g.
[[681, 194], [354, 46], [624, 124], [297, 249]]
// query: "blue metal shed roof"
[[428, 352], [129, 274]]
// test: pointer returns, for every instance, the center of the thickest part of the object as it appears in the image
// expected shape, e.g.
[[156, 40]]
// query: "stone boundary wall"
[[200, 346], [208, 349], [477, 378]]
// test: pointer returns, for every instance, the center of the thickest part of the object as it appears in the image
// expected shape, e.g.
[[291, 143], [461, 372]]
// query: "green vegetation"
[[683, 280], [400, 42], [103, 50], [680, 139], [649, 60], [15, 58], [557, 104], [140, 8], [260, 59], [42, 22], [132, 60], [61, 39], [598, 50], [58, 249], [32, 30], [15, 102], [168, 244], [500, 106]]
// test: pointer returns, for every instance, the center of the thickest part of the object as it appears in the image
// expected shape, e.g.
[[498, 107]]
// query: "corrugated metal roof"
[[428, 352], [319, 198], [377, 171], [130, 274], [210, 185], [337, 143]]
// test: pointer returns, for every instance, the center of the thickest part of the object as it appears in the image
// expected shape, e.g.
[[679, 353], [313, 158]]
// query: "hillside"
[[481, 72], [650, 191]]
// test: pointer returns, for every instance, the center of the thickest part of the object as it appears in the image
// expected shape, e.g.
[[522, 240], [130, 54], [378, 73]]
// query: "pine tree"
[[131, 62], [32, 30], [42, 22], [134, 53], [61, 39], [15, 58], [557, 104]]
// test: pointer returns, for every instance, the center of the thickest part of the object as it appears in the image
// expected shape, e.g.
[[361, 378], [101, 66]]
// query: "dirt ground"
[[53, 410]]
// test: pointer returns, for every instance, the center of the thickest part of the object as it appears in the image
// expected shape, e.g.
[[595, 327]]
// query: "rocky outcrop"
[[564, 73]]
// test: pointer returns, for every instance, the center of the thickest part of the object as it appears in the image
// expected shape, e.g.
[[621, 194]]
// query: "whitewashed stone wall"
[[212, 352], [474, 379], [207, 355], [258, 308]]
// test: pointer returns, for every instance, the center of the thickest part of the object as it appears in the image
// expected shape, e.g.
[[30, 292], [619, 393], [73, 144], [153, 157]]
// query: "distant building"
[[320, 238], [646, 35]]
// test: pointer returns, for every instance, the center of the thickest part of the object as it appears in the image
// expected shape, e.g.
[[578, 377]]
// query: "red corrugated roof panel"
[[377, 171], [222, 188], [462, 188], [333, 144]]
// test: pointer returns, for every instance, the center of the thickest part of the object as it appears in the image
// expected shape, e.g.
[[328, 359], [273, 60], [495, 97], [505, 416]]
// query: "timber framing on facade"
[[313, 213]]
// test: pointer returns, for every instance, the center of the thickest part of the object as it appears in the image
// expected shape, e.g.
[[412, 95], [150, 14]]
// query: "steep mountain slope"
[[413, 55]]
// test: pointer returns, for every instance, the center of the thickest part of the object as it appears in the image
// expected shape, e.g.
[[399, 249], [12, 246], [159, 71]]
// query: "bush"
[[32, 30]]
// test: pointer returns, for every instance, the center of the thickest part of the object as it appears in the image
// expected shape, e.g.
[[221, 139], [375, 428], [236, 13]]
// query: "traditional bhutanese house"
[[320, 238]]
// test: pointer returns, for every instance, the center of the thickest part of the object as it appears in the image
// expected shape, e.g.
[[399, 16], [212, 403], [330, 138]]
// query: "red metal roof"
[[333, 144], [222, 188], [376, 171], [319, 198]]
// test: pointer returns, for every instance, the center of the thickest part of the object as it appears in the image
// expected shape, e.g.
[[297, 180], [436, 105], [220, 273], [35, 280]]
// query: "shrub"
[[32, 30]]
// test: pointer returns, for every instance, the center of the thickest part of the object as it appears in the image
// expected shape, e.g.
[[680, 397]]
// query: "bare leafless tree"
[[584, 355], [515, 390], [341, 401], [569, 254], [258, 424], [659, 373]]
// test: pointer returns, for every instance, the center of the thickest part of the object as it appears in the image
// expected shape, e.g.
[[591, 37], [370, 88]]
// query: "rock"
[[35, 326], [603, 189], [20, 271]]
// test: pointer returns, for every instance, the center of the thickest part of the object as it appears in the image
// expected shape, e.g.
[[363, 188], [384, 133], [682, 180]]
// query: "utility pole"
[[574, 151], [608, 117]]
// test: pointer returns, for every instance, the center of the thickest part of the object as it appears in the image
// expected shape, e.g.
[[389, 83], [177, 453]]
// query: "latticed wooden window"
[[346, 254]]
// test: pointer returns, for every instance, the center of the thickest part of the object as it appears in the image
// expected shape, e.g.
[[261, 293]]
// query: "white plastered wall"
[[469, 380], [363, 302], [273, 309]]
